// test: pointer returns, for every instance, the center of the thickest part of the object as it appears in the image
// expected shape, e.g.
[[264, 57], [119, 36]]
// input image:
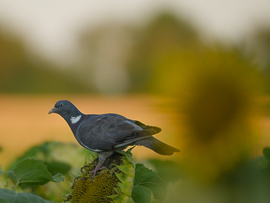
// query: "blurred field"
[[24, 120]]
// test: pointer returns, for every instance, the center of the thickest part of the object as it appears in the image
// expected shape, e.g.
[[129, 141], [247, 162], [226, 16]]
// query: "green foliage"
[[141, 194], [50, 154], [266, 152], [8, 196], [44, 152], [249, 182], [33, 172], [147, 182], [22, 73], [169, 171], [55, 167], [64, 158], [27, 172], [263, 162]]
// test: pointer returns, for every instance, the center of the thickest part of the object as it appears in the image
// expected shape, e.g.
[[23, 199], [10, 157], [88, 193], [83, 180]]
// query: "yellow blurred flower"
[[219, 104]]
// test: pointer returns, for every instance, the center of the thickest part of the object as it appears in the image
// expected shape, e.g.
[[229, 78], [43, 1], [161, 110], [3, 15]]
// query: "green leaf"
[[58, 177], [147, 180], [141, 194], [34, 152], [266, 152], [55, 167], [34, 172], [260, 162], [8, 196], [11, 175]]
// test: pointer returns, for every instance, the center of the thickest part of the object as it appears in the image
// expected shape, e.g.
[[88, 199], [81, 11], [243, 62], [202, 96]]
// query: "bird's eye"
[[61, 104]]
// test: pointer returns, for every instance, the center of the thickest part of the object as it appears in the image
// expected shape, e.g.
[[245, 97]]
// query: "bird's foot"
[[95, 171]]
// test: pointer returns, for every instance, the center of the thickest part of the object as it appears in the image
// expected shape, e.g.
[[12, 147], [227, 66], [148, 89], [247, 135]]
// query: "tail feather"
[[157, 146], [149, 130]]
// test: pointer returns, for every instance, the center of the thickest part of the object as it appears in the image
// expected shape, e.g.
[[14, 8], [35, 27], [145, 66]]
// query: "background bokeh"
[[200, 71]]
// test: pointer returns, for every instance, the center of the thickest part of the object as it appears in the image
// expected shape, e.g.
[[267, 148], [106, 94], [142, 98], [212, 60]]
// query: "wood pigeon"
[[106, 133]]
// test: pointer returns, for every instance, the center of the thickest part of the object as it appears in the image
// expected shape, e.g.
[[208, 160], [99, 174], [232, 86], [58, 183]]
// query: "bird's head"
[[65, 108]]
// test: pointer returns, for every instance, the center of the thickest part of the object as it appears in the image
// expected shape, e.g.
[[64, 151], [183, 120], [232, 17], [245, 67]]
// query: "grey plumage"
[[106, 133]]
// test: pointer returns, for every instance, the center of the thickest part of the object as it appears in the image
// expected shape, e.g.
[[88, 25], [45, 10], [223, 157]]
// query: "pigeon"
[[109, 133]]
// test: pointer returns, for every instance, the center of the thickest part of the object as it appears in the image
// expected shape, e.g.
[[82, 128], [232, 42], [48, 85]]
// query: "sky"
[[50, 27]]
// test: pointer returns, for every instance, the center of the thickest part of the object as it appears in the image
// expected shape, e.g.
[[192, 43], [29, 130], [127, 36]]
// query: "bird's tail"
[[157, 146]]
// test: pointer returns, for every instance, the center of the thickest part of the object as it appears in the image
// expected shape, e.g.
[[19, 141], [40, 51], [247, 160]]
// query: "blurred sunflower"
[[219, 104]]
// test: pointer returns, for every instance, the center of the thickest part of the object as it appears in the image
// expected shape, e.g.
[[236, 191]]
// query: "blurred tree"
[[103, 55], [120, 58], [20, 73], [115, 58], [258, 48], [169, 53], [160, 53], [155, 58]]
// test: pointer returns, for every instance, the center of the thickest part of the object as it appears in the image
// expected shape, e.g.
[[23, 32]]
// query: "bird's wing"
[[107, 131]]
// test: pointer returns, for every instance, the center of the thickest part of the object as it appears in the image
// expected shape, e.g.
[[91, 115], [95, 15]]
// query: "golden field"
[[24, 120]]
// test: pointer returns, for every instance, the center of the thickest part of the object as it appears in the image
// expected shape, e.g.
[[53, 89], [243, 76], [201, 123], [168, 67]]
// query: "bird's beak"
[[52, 110]]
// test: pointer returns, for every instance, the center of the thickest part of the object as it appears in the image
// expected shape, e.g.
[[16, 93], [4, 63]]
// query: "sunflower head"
[[114, 183]]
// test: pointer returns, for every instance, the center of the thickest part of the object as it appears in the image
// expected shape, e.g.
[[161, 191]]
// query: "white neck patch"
[[75, 119]]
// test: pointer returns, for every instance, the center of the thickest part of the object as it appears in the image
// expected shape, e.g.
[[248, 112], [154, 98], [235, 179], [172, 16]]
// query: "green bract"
[[5, 180]]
